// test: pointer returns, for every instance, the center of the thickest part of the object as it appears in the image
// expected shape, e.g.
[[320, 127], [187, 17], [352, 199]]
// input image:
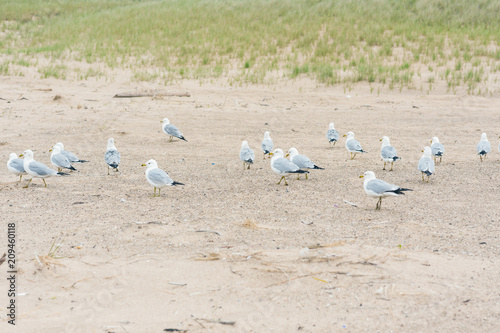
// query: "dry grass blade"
[[319, 246], [208, 257]]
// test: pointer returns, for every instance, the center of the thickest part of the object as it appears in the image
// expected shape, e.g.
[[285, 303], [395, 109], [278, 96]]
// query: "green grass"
[[333, 42]]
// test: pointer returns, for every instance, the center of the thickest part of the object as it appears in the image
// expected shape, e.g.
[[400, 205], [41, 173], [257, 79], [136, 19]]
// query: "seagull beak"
[[361, 176], [21, 155], [270, 154], [50, 150], [380, 139], [143, 164], [344, 135], [287, 155]]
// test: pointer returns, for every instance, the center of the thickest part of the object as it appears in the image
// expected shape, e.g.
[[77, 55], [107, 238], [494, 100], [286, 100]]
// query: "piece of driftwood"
[[132, 94]]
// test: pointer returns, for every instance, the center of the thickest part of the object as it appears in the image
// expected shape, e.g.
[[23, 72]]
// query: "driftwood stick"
[[132, 94]]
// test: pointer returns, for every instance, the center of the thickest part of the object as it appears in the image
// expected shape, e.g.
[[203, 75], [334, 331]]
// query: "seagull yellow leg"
[[392, 165], [20, 178], [440, 159], [28, 184], [280, 180], [243, 165], [298, 176], [44, 182], [286, 184], [306, 175], [159, 189], [423, 177], [334, 142], [248, 166], [384, 165], [108, 170]]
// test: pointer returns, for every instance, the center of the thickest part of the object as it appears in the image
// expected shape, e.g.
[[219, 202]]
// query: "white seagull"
[[246, 155], [332, 135], [171, 130], [301, 161], [353, 145], [483, 147], [59, 160], [112, 156], [388, 152], [69, 155], [426, 163], [282, 166], [36, 169], [378, 188], [157, 177], [16, 166], [437, 149], [267, 144]]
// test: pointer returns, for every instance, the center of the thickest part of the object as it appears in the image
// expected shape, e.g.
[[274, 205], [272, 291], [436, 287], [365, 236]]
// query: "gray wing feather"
[[112, 157], [41, 169], [284, 165], [172, 130], [247, 155], [483, 146], [60, 160], [379, 186], [70, 156], [437, 148], [388, 152], [17, 164], [303, 162], [267, 145], [158, 176], [426, 164], [332, 135], [353, 145]]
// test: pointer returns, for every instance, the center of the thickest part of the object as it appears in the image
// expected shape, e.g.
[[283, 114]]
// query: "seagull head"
[[150, 164], [435, 139], [28, 154], [349, 135], [385, 141], [427, 151], [165, 121], [266, 135], [331, 126], [292, 152], [12, 156], [244, 144], [277, 153], [483, 137], [60, 145], [111, 143], [368, 175]]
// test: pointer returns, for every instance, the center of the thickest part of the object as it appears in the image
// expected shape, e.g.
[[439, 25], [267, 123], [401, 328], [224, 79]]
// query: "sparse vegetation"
[[334, 42]]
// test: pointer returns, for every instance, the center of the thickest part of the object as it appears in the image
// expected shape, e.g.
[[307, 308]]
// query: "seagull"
[[171, 130], [332, 135], [69, 155], [388, 152], [282, 166], [426, 164], [16, 166], [59, 160], [483, 147], [112, 156], [437, 149], [301, 161], [267, 144], [157, 177], [246, 155], [353, 145], [36, 169], [378, 188]]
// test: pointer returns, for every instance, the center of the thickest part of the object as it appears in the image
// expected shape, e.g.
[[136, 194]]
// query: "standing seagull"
[[437, 149], [157, 177], [388, 152], [267, 144], [301, 161], [332, 135], [16, 166], [112, 156], [483, 147], [246, 155], [426, 164], [171, 130], [59, 160], [353, 145], [69, 155], [378, 188], [36, 169], [282, 166]]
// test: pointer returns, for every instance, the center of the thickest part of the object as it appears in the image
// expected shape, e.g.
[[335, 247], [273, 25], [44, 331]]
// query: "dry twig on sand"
[[154, 94]]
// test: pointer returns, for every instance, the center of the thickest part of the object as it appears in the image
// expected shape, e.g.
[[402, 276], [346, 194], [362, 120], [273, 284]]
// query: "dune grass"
[[390, 42]]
